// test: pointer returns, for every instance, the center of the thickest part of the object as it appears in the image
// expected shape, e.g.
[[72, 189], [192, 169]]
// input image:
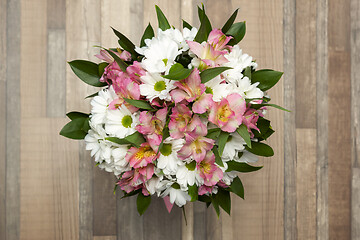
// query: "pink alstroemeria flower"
[[135, 71], [218, 40], [228, 113], [179, 120], [152, 126], [125, 88], [104, 55], [134, 179], [205, 189], [196, 146], [140, 157], [208, 171]]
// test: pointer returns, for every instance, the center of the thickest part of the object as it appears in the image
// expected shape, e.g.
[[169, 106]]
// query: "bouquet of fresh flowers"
[[178, 116]]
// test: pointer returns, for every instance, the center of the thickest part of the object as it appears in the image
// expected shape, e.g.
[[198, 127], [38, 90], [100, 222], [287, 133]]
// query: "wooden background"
[[50, 188]]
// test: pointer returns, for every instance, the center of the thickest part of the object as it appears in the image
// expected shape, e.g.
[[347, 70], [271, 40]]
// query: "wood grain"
[[290, 223], [305, 64], [49, 167], [56, 74], [104, 238], [56, 17], [355, 118], [322, 119], [13, 114], [187, 229], [200, 220], [306, 183], [339, 115], [3, 102]]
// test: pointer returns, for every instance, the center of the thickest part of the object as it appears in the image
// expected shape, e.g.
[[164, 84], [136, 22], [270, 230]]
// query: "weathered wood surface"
[[308, 190]]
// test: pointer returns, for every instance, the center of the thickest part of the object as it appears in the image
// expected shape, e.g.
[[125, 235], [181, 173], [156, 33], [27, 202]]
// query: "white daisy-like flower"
[[168, 160], [95, 142], [234, 145], [100, 104], [121, 122], [154, 85], [177, 196], [160, 54], [218, 89], [238, 62], [247, 157], [246, 89], [118, 155], [154, 185], [185, 176]]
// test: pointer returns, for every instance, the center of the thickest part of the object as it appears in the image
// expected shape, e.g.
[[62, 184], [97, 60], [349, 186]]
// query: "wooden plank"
[[129, 223], [322, 119], [156, 217], [56, 13], [3, 60], [104, 203], [260, 216], [218, 12], [104, 238], [213, 225], [13, 113], [49, 181], [33, 58], [83, 22], [56, 74], [169, 8], [290, 224], [355, 204], [306, 183], [86, 165], [305, 64], [339, 93], [355, 118], [200, 220], [187, 231]]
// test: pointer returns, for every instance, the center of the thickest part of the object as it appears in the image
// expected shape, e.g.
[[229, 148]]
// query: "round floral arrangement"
[[178, 116]]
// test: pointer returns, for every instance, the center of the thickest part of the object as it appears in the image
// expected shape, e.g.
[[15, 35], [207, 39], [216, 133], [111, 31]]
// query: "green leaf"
[[213, 133], [229, 22], [260, 149], [216, 206], [163, 22], [142, 203], [243, 132], [125, 43], [237, 187], [205, 26], [193, 192], [191, 166], [210, 73], [257, 106], [224, 200], [130, 193], [142, 104], [204, 198], [266, 77], [75, 115], [178, 72], [223, 137], [76, 129], [218, 159], [101, 68], [148, 34], [120, 62], [247, 72], [241, 167], [237, 31], [87, 71], [135, 139], [92, 95], [186, 25]]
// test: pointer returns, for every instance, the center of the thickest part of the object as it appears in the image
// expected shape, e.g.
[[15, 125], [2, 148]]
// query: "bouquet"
[[178, 116]]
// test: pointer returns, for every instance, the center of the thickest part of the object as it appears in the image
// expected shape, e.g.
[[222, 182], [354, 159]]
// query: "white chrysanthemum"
[[247, 157], [238, 62], [100, 104], [160, 53], [95, 142], [234, 144], [168, 160], [185, 176], [177, 196], [218, 89], [121, 122], [155, 185], [154, 85], [118, 155], [246, 89]]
